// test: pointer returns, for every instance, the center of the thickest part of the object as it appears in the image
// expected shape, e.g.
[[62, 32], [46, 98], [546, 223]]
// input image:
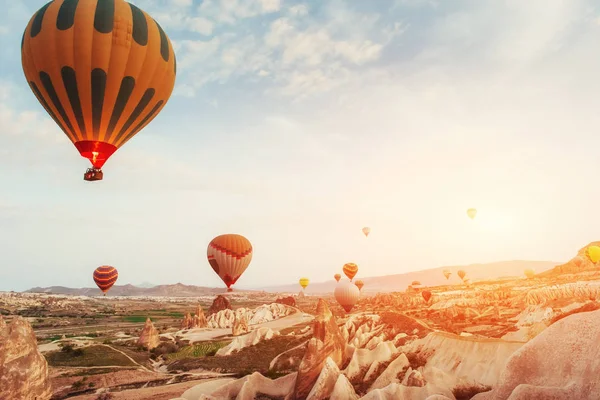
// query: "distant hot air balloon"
[[337, 277], [102, 70], [350, 270], [366, 230], [447, 274], [359, 284], [303, 282], [416, 283], [594, 253], [529, 273], [105, 277], [461, 274], [346, 293], [471, 212], [229, 256], [426, 295]]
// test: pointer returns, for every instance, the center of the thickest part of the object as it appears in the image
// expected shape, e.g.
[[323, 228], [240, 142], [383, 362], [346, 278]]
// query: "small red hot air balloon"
[[105, 277], [426, 295]]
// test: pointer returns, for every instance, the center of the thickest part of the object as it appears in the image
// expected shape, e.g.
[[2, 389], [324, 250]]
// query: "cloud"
[[229, 11]]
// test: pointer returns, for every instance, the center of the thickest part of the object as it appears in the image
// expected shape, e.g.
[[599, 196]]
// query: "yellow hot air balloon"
[[350, 270], [359, 284], [366, 230], [594, 253], [346, 293], [337, 277], [229, 255], [471, 212], [529, 273], [303, 282], [102, 70]]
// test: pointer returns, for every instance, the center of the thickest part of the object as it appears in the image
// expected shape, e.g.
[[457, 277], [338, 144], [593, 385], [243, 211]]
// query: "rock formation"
[[200, 318], [240, 325], [187, 322], [220, 303], [149, 336], [562, 362], [288, 301], [301, 295], [327, 341], [250, 339], [259, 315], [23, 370]]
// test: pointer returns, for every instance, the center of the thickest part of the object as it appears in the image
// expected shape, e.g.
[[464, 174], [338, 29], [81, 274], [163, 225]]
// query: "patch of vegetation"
[[135, 318], [417, 360], [105, 396], [93, 356], [203, 349]]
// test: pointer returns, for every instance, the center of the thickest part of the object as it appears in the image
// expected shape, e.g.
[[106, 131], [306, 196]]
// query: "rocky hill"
[[176, 290], [581, 263]]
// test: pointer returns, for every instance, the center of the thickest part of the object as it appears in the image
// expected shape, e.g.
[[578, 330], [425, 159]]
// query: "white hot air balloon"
[[346, 293]]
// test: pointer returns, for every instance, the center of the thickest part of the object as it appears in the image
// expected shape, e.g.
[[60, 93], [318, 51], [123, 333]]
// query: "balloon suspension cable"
[[93, 174]]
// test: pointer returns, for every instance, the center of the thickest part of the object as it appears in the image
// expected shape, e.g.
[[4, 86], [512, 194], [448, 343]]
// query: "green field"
[[202, 349], [93, 356]]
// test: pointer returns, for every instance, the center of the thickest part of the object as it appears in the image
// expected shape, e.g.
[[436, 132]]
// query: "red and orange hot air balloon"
[[105, 277], [359, 284], [426, 295], [229, 256], [101, 69], [350, 270], [337, 277]]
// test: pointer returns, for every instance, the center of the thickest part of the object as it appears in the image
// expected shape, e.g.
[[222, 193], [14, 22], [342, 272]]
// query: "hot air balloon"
[[350, 270], [346, 293], [366, 230], [416, 283], [461, 274], [471, 212], [594, 253], [229, 255], [105, 277], [303, 282], [529, 273], [447, 274], [337, 277], [359, 284], [101, 69], [426, 295]]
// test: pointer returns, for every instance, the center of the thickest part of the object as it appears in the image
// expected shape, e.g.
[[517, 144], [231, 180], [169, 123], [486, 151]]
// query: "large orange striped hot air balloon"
[[102, 69], [346, 293], [350, 270], [229, 256], [337, 277], [105, 277]]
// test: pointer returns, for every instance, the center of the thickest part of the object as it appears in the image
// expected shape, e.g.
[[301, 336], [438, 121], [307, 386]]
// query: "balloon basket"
[[93, 174]]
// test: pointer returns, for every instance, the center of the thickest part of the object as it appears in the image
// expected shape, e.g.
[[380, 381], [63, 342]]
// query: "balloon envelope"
[[105, 277], [366, 230], [346, 293], [426, 295], [447, 274], [337, 277], [529, 273], [471, 212], [303, 282], [461, 274], [594, 254], [359, 284], [229, 255], [350, 270], [102, 70]]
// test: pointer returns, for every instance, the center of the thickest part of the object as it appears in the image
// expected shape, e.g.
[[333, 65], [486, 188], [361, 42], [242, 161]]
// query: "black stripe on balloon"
[[36, 25], [98, 89], [70, 81], [66, 15], [44, 103], [127, 85], [164, 43], [47, 83], [136, 113], [104, 16], [174, 63], [23, 39], [139, 126], [140, 26]]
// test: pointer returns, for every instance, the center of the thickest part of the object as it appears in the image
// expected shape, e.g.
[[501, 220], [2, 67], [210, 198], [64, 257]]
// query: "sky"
[[296, 123]]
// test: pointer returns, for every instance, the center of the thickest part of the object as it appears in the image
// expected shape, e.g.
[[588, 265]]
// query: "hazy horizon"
[[295, 124]]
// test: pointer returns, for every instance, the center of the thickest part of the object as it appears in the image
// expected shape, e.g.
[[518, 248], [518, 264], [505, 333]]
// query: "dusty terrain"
[[456, 344]]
